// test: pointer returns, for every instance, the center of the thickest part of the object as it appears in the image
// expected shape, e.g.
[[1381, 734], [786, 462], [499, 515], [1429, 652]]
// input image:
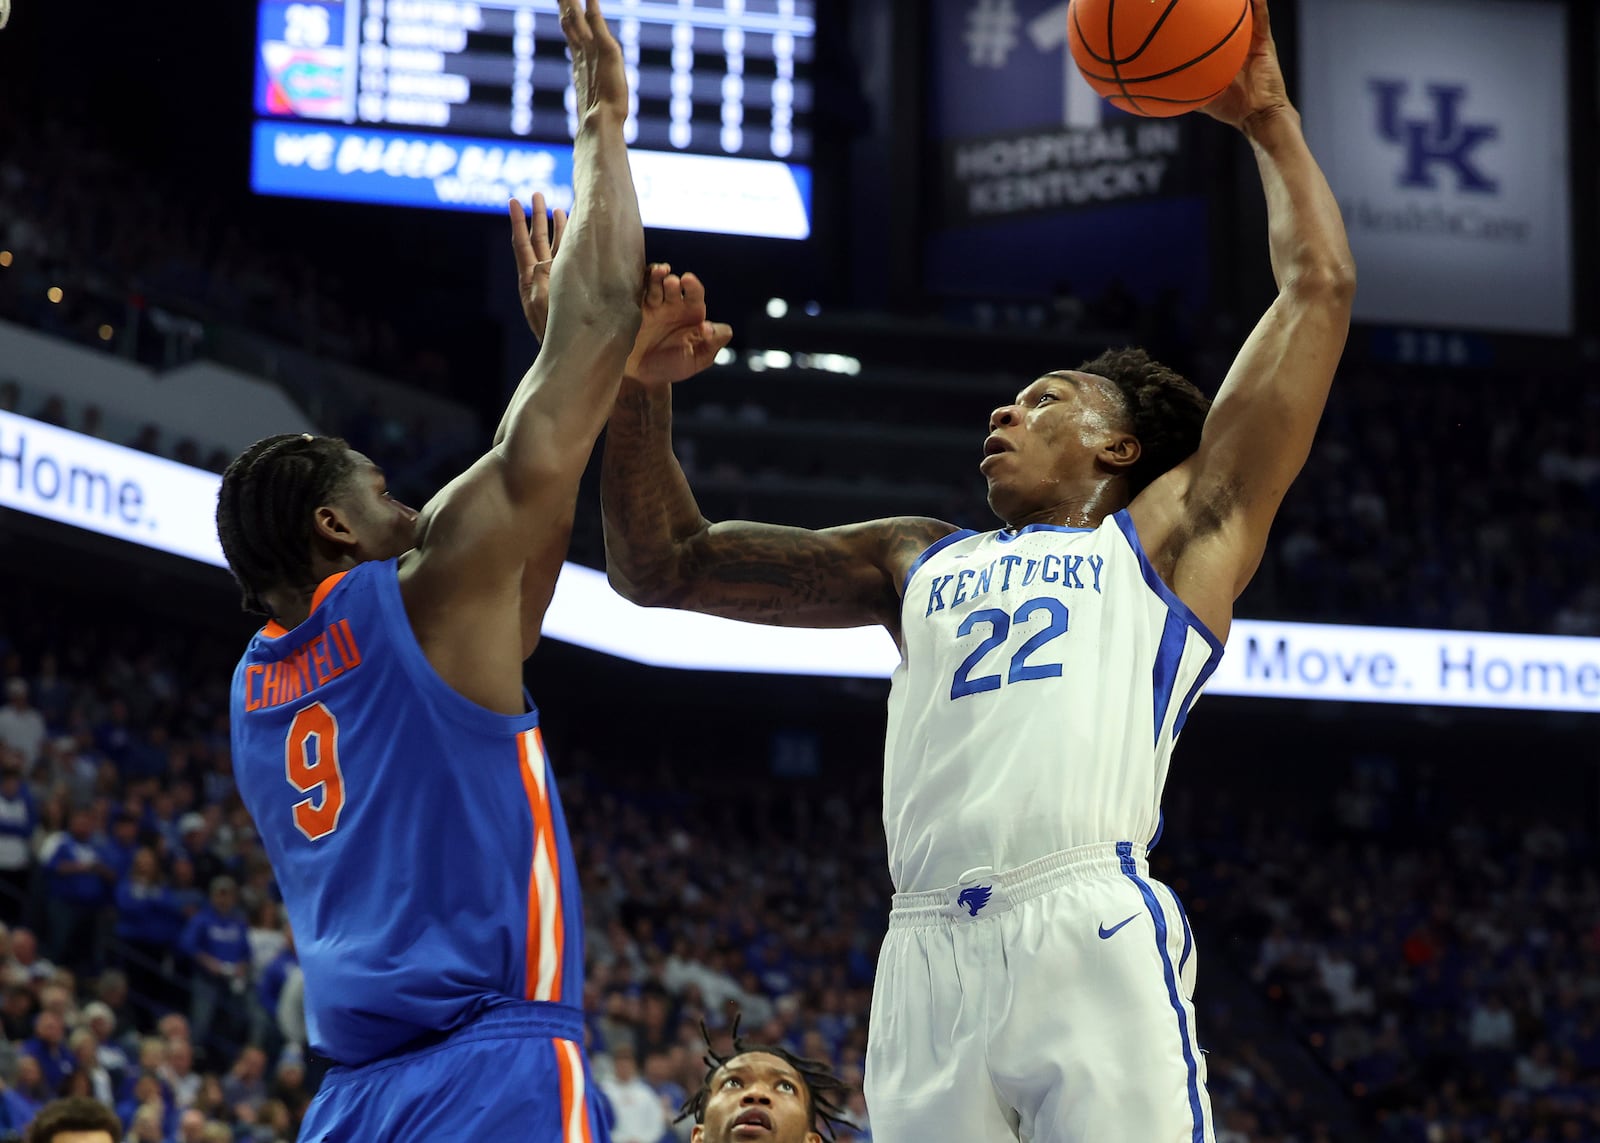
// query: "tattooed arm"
[[661, 552]]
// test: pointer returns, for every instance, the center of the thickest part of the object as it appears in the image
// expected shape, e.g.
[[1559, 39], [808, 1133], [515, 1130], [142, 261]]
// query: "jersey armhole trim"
[[434, 690], [1160, 586], [929, 552]]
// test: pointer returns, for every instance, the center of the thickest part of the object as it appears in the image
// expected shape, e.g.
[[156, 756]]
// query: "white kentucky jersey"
[[1046, 675]]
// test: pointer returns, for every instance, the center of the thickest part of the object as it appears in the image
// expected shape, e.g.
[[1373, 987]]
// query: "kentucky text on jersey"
[[320, 661], [969, 583]]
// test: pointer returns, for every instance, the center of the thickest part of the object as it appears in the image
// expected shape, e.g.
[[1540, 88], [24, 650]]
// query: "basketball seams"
[[1131, 92], [1111, 47], [1122, 82], [1112, 59]]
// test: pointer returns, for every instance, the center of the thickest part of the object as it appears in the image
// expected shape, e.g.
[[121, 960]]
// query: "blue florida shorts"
[[518, 1072]]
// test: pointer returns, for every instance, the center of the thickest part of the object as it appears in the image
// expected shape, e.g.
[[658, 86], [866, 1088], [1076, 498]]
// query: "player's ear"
[[331, 524], [1121, 453], [698, 1134]]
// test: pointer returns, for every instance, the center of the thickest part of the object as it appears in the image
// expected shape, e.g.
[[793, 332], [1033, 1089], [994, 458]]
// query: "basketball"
[[1159, 58]]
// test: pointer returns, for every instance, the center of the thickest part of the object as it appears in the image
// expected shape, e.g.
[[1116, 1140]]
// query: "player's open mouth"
[[996, 444], [752, 1123]]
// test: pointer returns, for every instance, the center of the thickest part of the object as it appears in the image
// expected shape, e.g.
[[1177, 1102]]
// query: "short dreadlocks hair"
[[265, 506], [1166, 412], [824, 1090]]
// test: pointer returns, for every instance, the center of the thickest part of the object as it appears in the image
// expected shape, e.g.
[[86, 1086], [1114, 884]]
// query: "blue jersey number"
[[999, 624]]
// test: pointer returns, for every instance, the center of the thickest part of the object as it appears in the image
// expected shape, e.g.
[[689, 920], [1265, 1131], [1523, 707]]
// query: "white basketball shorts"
[[1050, 1004]]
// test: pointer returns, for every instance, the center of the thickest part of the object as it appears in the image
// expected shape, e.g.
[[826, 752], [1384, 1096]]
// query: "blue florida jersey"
[[416, 836]]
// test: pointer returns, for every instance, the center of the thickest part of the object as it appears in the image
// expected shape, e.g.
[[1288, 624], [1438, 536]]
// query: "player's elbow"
[[645, 588], [1330, 281]]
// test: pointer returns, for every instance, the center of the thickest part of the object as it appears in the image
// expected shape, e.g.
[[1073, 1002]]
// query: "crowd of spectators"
[[167, 259], [1468, 500], [1445, 969]]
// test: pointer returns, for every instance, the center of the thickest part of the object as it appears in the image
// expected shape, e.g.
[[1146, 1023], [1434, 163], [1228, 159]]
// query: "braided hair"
[[1166, 411], [265, 506], [824, 1090]]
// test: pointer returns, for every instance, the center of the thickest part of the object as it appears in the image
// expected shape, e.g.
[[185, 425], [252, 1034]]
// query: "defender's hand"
[[597, 70], [1258, 90], [535, 250], [676, 341]]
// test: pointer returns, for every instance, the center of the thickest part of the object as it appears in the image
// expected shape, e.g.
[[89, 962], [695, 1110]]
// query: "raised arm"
[[491, 544], [1206, 522], [661, 552]]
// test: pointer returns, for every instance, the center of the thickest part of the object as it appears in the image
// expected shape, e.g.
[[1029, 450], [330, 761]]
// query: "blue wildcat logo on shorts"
[[975, 898]]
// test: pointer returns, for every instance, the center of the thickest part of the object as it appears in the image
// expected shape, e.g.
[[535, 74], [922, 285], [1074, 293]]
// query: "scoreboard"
[[463, 103]]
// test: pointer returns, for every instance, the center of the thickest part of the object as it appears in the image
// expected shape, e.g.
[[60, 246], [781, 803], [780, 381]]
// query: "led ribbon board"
[[116, 491]]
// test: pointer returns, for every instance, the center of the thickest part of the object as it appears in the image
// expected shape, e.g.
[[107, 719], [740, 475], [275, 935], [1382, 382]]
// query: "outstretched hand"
[[1258, 89], [534, 246], [675, 341], [599, 78]]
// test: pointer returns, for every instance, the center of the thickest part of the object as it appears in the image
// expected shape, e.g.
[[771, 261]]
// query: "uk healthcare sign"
[[157, 503], [1443, 128]]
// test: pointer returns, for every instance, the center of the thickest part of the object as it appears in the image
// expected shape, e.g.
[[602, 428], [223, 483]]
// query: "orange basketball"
[[1159, 57]]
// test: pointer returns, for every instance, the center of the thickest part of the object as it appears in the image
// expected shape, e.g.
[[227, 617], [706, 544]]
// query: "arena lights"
[[777, 308], [726, 356], [5, 258], [157, 503], [54, 294], [106, 333], [760, 360]]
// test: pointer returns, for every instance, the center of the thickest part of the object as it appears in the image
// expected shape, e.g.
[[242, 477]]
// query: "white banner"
[[1405, 665], [158, 503], [106, 488], [1442, 126]]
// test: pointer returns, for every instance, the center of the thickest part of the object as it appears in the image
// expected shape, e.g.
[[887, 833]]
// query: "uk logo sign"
[[1440, 148]]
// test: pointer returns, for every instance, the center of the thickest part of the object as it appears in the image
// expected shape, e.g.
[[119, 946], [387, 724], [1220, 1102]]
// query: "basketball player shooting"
[[382, 739], [1035, 983]]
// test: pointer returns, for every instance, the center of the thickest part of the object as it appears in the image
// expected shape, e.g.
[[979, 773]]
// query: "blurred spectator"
[[80, 886], [150, 922], [178, 1072], [86, 1061], [216, 941], [30, 1091], [19, 817], [640, 1116], [22, 727], [48, 1048]]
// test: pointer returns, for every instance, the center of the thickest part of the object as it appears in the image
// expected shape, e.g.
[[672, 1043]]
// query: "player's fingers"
[[597, 21], [653, 293], [559, 225], [521, 245], [574, 25], [717, 334], [1263, 21], [694, 292], [672, 287], [582, 25], [541, 229]]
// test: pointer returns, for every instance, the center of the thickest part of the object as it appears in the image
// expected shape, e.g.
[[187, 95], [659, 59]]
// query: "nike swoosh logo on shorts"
[[1106, 934]]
